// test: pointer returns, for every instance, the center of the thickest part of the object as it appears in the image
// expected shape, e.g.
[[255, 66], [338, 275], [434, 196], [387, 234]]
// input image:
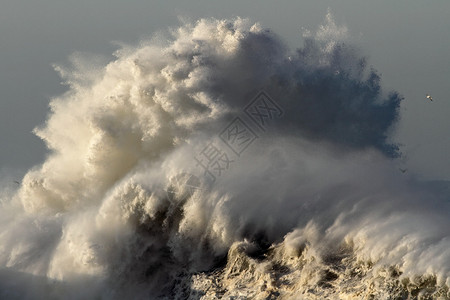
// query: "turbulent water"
[[219, 163]]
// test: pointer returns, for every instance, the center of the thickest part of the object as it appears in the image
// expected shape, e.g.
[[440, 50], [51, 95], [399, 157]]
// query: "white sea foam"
[[316, 196]]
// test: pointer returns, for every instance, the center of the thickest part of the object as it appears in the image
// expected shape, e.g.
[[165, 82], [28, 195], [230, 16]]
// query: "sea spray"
[[313, 207]]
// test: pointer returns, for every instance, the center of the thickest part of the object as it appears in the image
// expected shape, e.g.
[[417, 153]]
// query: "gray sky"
[[407, 41]]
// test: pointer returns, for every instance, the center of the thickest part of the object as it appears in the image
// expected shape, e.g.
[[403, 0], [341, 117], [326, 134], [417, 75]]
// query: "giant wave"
[[312, 207]]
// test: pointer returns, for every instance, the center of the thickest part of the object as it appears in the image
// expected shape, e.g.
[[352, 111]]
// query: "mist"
[[109, 212]]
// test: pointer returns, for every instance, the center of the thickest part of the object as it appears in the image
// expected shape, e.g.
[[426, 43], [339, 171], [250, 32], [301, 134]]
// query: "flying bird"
[[403, 170], [429, 97], [15, 181]]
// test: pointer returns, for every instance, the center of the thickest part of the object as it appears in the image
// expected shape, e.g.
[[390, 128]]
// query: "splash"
[[114, 207]]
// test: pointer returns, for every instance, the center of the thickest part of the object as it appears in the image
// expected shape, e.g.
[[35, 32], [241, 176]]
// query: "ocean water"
[[218, 163]]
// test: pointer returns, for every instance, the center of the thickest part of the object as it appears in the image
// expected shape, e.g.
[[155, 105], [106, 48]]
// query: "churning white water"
[[218, 163]]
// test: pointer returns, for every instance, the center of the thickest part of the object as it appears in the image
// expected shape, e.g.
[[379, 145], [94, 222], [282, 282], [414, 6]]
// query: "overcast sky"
[[407, 41]]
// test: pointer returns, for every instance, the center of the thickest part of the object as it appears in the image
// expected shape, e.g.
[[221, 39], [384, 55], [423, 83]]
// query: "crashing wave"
[[311, 207]]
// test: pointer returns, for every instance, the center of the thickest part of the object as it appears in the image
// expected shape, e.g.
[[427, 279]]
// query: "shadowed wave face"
[[126, 205]]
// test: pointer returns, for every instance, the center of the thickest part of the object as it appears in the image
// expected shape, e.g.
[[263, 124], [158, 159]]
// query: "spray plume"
[[110, 208]]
